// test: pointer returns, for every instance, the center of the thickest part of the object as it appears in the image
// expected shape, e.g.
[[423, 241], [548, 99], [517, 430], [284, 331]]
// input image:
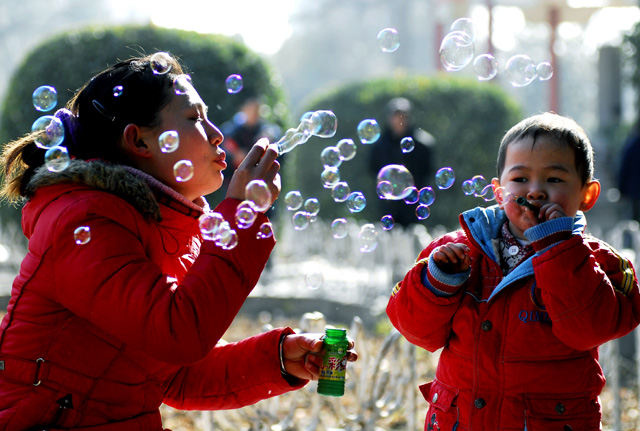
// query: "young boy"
[[520, 298]]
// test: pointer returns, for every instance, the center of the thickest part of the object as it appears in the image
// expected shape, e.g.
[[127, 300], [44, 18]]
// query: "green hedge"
[[466, 117]]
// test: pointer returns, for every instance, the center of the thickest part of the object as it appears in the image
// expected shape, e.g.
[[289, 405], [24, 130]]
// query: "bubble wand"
[[525, 203]]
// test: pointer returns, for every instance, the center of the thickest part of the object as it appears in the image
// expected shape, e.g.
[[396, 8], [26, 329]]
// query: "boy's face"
[[547, 177]]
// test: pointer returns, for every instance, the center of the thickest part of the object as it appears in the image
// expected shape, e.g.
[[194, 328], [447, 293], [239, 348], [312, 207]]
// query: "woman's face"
[[199, 145]]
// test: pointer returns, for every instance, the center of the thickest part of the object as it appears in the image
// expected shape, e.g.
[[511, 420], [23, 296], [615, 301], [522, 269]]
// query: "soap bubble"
[[504, 196], [445, 178], [182, 84], [326, 123], [520, 70], [367, 238], [82, 235], [340, 191], [265, 230], [387, 222], [384, 189], [314, 279], [411, 195], [407, 145], [312, 206], [219, 232], [544, 71], [468, 188], [233, 83], [400, 179], [293, 200], [347, 148], [50, 131], [330, 157], [210, 223], [228, 239], [356, 202], [466, 26], [183, 170], [388, 40], [56, 159], [422, 212], [339, 228], [479, 183], [245, 214], [118, 90], [485, 67], [258, 193], [300, 220], [456, 51], [308, 128], [487, 193], [368, 131], [330, 177], [169, 141], [45, 98], [160, 63], [426, 196]]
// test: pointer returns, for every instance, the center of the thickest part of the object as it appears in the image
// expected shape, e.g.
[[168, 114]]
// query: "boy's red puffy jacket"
[[98, 335], [518, 352]]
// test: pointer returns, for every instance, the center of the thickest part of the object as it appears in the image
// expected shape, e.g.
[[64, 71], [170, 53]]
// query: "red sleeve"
[[421, 316], [113, 284], [233, 375], [590, 292]]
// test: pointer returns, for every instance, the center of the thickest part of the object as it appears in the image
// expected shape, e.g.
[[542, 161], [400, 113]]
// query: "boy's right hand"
[[452, 258], [259, 164]]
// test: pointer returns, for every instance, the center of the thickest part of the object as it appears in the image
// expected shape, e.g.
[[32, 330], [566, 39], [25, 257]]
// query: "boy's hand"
[[452, 258], [549, 211], [259, 164], [302, 355]]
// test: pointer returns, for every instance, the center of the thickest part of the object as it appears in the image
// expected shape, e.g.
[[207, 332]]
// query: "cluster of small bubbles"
[[293, 200], [319, 123], [356, 202], [347, 149], [479, 183], [210, 223], [245, 214], [340, 191], [544, 71], [330, 177], [228, 238], [57, 159], [406, 144], [45, 98], [160, 63], [388, 39], [183, 170], [118, 90], [426, 196], [520, 70], [387, 222], [485, 67], [367, 238], [339, 228], [397, 182], [445, 178], [330, 157], [368, 131], [325, 123], [468, 188], [314, 279], [456, 50], [169, 141], [423, 212], [411, 195], [265, 230], [82, 235], [234, 83], [50, 131], [182, 84], [312, 206], [300, 220], [257, 192]]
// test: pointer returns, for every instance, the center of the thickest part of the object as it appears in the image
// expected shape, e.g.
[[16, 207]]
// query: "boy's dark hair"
[[559, 129]]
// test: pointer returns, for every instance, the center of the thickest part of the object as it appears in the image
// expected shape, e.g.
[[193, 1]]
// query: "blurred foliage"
[[467, 118], [68, 61]]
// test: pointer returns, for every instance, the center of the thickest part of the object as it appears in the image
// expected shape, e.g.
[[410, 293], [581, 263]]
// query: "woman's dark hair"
[[131, 91]]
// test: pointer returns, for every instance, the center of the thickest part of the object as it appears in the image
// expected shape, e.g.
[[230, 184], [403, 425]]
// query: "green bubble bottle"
[[334, 363]]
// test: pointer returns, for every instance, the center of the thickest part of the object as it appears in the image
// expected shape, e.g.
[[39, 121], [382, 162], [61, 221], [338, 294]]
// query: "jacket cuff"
[[440, 283], [549, 233]]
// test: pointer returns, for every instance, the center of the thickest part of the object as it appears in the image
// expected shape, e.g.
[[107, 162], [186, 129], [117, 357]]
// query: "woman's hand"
[[259, 164], [302, 355]]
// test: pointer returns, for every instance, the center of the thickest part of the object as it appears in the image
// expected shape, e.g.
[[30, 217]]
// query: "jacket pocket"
[[443, 414], [561, 412]]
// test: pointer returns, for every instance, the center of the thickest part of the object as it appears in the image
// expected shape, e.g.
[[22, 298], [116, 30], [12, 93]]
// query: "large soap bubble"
[[400, 180], [456, 51]]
